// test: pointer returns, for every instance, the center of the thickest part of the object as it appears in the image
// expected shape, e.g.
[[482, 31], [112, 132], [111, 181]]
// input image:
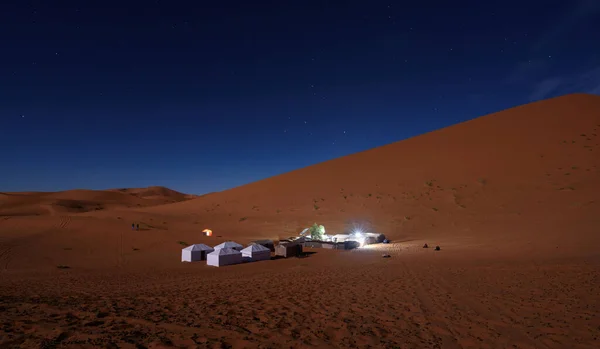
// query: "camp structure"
[[346, 245], [328, 245], [207, 232], [266, 243], [196, 252], [313, 244], [288, 250], [340, 237], [373, 238], [229, 244], [256, 252], [224, 256]]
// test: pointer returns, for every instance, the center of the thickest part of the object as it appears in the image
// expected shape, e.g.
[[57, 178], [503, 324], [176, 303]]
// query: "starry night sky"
[[202, 96]]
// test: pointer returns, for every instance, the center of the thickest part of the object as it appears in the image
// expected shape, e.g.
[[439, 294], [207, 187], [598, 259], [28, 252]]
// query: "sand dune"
[[512, 198], [156, 192], [80, 200]]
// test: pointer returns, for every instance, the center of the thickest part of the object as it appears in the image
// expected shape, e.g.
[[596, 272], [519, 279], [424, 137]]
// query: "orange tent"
[[207, 232]]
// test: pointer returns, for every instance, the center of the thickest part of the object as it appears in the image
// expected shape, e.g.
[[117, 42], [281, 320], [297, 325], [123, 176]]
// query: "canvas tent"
[[266, 243], [288, 250], [230, 244], [196, 252], [224, 256], [256, 252]]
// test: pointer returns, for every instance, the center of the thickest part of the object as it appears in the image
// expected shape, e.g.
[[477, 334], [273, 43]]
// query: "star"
[[22, 116]]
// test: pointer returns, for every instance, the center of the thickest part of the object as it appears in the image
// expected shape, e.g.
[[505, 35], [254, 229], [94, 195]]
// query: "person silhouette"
[[132, 226], [137, 227]]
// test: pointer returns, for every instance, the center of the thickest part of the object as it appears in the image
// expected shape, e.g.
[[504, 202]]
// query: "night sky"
[[203, 96]]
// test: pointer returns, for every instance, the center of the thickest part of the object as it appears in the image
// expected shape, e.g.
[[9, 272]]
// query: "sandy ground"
[[511, 198]]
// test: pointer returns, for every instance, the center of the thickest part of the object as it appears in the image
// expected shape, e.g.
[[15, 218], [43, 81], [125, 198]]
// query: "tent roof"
[[255, 248], [199, 247], [228, 244], [225, 251]]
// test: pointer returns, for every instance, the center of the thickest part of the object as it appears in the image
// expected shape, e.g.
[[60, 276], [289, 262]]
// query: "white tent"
[[196, 252], [256, 252], [224, 256], [230, 244]]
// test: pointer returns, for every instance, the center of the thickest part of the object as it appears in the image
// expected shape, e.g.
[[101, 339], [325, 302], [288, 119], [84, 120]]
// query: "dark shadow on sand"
[[305, 254]]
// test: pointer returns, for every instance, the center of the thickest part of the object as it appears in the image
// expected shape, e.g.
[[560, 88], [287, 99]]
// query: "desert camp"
[[314, 237]]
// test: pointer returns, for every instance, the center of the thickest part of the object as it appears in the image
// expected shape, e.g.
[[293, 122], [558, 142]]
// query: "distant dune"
[[512, 198], [156, 192], [81, 200]]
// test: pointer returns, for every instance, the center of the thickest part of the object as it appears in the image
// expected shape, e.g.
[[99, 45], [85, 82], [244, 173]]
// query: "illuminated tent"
[[196, 252], [230, 244], [224, 256], [207, 232], [256, 252]]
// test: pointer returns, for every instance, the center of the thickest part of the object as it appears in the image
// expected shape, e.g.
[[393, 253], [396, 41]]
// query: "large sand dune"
[[512, 198]]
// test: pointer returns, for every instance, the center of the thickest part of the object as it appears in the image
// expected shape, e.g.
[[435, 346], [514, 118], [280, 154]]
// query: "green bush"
[[316, 231]]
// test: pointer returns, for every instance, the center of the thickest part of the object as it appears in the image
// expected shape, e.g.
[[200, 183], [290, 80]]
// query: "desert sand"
[[512, 199]]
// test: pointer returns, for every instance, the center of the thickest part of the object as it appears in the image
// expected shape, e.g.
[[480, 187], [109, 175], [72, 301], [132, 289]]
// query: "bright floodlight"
[[361, 241]]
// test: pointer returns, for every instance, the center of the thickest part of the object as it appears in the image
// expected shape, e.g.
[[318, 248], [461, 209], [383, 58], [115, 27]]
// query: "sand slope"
[[512, 199], [507, 172]]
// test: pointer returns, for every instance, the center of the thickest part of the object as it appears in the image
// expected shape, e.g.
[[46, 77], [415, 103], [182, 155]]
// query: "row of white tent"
[[227, 253]]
